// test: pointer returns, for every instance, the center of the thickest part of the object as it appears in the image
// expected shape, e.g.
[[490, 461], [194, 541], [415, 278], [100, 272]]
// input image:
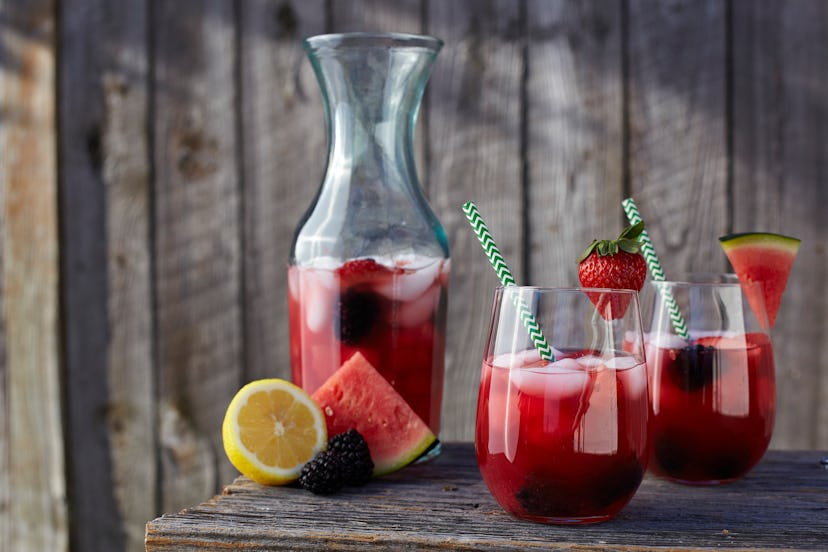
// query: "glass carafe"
[[369, 264]]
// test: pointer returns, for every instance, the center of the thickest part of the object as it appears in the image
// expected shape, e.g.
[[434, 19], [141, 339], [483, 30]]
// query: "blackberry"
[[324, 474], [672, 454], [356, 315], [546, 499], [354, 455], [694, 367]]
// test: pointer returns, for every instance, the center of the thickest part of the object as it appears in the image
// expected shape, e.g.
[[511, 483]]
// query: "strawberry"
[[365, 269], [613, 264], [360, 268]]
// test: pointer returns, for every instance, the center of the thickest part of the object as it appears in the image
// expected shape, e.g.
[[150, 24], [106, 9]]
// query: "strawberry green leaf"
[[588, 251], [627, 241], [632, 232], [628, 245]]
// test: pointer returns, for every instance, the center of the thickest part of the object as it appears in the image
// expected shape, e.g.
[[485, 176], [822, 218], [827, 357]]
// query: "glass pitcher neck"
[[370, 202], [372, 86]]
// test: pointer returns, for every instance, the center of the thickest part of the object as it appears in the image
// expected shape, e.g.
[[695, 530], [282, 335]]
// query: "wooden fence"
[[156, 155]]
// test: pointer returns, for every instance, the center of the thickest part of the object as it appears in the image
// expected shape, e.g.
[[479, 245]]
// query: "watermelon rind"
[[760, 238], [358, 397]]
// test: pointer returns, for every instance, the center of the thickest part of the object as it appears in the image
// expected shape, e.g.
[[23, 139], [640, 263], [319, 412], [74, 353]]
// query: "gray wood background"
[[156, 155]]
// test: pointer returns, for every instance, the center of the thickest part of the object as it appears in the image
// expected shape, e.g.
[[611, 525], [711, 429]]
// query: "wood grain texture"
[[131, 413], [474, 152], [780, 184], [35, 514], [283, 136], [574, 126], [106, 273], [445, 505], [5, 421], [198, 234], [677, 129], [404, 16]]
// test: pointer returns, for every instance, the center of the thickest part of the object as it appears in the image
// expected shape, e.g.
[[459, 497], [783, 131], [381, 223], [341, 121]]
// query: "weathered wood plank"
[[106, 273], [445, 505], [198, 234], [283, 132], [403, 16], [475, 154], [780, 167], [31, 436], [677, 135], [574, 128], [5, 421], [84, 279]]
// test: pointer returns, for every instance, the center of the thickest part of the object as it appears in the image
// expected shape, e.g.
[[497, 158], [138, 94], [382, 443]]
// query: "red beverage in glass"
[[713, 405], [392, 312], [562, 442]]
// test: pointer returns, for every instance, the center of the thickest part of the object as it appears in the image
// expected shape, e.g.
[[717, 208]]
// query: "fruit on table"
[[613, 264], [357, 396], [762, 257], [347, 461], [271, 429]]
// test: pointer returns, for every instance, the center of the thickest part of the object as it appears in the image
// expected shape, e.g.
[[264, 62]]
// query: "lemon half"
[[271, 429]]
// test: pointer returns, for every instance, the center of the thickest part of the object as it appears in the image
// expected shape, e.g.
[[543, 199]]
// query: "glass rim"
[[571, 289], [705, 279], [357, 40]]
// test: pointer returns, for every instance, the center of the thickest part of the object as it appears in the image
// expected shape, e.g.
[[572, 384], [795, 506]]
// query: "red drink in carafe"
[[393, 312]]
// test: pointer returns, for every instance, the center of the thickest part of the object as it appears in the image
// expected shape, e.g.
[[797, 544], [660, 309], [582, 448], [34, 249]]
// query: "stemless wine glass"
[[711, 376], [563, 441]]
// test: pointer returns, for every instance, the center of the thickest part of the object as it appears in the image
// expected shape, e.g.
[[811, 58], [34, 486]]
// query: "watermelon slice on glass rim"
[[762, 257]]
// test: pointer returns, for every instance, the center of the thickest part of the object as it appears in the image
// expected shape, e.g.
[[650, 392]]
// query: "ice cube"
[[590, 361], [558, 379], [564, 366], [666, 340], [530, 356], [419, 310], [506, 360], [621, 362], [634, 380], [318, 298], [325, 263], [413, 283]]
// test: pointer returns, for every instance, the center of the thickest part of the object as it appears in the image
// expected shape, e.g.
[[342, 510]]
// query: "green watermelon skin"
[[357, 396], [766, 258]]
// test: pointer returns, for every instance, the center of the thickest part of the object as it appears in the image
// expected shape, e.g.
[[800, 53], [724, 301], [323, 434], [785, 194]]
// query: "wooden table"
[[782, 504]]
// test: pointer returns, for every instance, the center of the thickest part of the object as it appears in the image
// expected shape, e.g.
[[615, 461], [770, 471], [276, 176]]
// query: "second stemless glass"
[[713, 388], [564, 441]]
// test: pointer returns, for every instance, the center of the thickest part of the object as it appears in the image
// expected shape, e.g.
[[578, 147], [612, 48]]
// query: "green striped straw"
[[656, 271], [505, 277]]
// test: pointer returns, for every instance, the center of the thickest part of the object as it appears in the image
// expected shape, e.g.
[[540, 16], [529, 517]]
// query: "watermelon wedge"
[[357, 396], [762, 257]]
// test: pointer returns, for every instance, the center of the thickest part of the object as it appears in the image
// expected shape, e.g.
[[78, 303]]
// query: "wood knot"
[[287, 19], [198, 154]]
